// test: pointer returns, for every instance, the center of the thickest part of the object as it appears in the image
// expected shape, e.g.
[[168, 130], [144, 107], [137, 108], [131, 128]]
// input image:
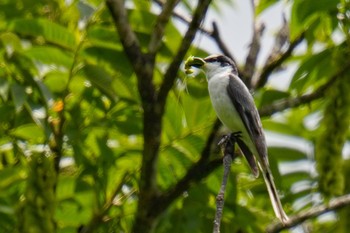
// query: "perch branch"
[[311, 213], [229, 148]]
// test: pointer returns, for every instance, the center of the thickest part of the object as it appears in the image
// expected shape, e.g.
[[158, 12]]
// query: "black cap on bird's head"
[[219, 60]]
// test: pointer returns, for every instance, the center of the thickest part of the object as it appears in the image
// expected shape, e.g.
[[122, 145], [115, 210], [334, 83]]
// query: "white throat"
[[214, 69]]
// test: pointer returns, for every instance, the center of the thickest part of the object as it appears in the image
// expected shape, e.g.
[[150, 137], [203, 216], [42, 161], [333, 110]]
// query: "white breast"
[[224, 108], [222, 104]]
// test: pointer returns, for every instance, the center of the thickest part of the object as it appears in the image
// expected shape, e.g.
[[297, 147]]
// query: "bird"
[[235, 108]]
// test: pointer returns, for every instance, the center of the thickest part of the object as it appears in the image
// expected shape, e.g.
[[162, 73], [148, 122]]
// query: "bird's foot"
[[232, 137], [228, 141], [235, 135]]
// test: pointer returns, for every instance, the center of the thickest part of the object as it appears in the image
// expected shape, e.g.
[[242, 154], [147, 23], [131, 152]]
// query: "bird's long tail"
[[275, 200]]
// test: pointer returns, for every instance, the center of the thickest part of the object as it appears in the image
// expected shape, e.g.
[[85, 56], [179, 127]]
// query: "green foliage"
[[38, 206], [335, 127], [71, 122]]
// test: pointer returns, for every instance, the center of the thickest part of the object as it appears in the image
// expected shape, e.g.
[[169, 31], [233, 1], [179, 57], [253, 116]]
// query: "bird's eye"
[[225, 64]]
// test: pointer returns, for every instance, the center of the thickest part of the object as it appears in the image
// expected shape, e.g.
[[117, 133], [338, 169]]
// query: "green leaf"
[[269, 96], [312, 69], [4, 89], [50, 55], [11, 39], [48, 30], [263, 5], [104, 37], [111, 59], [19, 96], [305, 12], [286, 154], [100, 79], [56, 81], [30, 132], [11, 176]]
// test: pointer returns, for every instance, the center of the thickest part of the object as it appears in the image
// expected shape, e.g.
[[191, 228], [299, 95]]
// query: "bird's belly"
[[223, 106]]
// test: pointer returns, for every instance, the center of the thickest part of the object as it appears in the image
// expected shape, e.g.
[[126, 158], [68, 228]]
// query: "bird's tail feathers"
[[275, 200]]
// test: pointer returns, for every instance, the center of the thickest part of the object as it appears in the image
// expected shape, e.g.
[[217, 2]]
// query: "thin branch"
[[281, 39], [336, 203], [275, 63], [171, 73], [128, 38], [229, 148], [143, 65], [184, 19], [215, 34], [252, 57], [159, 28], [293, 102], [254, 49]]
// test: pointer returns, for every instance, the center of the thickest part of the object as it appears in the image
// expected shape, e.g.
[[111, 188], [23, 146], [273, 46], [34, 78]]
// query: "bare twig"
[[293, 102], [220, 199], [281, 39], [184, 19], [162, 20], [250, 63], [311, 213], [276, 62], [254, 49], [215, 34]]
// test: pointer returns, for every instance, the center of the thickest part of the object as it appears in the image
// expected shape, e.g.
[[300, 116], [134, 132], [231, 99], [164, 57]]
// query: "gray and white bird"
[[234, 106]]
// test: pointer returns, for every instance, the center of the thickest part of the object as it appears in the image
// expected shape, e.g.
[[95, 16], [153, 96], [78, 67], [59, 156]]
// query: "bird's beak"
[[193, 62]]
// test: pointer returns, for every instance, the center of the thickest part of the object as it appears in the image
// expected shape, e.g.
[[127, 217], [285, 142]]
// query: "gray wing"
[[245, 106]]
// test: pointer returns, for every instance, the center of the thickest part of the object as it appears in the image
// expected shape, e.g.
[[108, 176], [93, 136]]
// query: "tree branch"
[[228, 145], [162, 20], [252, 57], [171, 73], [281, 39], [215, 34], [293, 102], [128, 38], [143, 65], [184, 19], [276, 62], [311, 213]]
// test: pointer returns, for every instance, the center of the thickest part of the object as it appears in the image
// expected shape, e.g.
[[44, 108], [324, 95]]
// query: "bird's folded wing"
[[244, 104]]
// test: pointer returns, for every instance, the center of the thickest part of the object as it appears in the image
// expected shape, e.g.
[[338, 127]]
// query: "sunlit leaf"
[[48, 30], [19, 96], [99, 78], [50, 55], [30, 132]]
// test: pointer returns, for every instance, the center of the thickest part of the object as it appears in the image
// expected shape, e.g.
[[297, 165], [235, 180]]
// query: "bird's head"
[[211, 65]]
